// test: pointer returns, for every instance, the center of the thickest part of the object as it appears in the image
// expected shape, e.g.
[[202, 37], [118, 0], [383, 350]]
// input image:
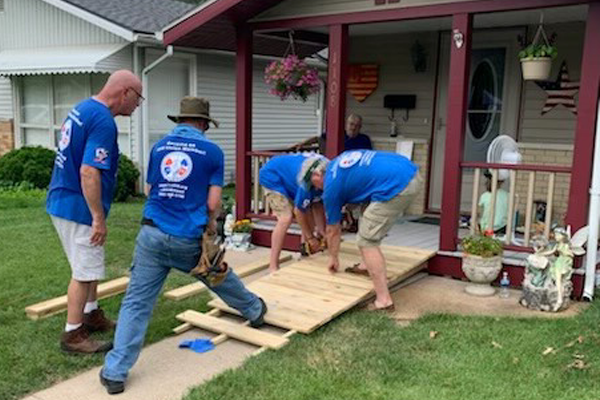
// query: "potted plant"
[[292, 77], [536, 57], [241, 234], [482, 262]]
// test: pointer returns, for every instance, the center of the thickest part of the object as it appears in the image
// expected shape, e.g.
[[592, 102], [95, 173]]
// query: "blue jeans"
[[154, 256]]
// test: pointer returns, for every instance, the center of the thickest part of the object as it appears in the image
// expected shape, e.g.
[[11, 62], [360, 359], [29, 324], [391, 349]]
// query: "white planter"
[[481, 272], [241, 241], [536, 69]]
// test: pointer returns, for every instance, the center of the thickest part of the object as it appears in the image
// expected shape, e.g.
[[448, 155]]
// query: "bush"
[[32, 166], [127, 177], [27, 164]]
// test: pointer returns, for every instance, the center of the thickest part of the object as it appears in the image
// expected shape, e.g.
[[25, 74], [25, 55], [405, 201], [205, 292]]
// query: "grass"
[[34, 268], [367, 356]]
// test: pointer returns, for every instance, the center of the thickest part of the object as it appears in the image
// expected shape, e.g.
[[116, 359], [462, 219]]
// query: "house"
[[54, 53], [458, 58]]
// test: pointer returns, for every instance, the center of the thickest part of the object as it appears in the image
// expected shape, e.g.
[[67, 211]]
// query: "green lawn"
[[33, 268], [366, 356]]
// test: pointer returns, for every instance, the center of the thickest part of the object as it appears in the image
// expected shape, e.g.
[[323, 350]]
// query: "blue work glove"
[[198, 345]]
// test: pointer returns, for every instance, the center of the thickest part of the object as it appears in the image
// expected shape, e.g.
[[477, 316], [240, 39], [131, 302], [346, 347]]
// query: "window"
[[45, 102]]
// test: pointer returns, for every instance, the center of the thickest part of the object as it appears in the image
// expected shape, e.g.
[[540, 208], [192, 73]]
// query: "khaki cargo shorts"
[[379, 217], [279, 204]]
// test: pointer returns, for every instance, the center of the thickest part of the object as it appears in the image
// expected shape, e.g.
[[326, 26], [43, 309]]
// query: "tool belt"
[[211, 267]]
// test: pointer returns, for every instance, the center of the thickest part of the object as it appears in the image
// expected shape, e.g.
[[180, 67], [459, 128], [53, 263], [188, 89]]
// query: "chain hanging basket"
[[536, 58], [291, 76]]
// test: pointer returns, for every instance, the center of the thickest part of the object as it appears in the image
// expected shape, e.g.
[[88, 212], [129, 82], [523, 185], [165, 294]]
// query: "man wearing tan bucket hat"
[[185, 178]]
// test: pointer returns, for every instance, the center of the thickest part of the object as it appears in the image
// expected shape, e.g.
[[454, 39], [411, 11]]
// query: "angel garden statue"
[[547, 284]]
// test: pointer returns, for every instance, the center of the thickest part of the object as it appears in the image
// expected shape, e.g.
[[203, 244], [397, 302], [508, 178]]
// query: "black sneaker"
[[112, 387], [258, 322]]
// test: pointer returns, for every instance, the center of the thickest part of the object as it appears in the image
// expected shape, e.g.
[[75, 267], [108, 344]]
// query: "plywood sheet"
[[304, 295]]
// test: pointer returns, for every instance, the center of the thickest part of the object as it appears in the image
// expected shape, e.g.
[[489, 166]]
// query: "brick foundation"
[[7, 136]]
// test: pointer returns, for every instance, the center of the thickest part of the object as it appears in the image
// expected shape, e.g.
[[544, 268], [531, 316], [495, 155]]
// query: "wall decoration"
[[560, 92], [362, 80]]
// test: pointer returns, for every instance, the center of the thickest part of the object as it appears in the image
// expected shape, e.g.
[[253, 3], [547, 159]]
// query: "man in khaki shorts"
[[286, 198], [388, 182], [80, 195]]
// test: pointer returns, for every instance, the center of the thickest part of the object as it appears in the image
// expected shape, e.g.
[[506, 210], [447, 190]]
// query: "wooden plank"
[[242, 271], [243, 333], [59, 304], [186, 326]]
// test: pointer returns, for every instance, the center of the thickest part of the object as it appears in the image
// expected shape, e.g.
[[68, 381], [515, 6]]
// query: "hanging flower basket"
[[292, 77], [536, 57]]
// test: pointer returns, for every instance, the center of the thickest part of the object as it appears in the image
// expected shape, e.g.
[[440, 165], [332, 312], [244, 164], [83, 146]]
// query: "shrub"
[[127, 177], [27, 164]]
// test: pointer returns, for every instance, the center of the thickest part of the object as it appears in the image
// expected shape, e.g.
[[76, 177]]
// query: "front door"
[[493, 106]]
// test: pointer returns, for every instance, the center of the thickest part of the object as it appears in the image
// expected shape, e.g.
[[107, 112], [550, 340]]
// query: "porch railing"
[[531, 171], [258, 205]]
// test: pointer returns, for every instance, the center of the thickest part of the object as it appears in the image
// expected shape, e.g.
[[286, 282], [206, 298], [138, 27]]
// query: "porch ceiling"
[[213, 25], [480, 21]]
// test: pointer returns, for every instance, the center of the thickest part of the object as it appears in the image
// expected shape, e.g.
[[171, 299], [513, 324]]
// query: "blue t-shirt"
[[280, 174], [358, 142], [182, 166], [364, 176], [88, 136]]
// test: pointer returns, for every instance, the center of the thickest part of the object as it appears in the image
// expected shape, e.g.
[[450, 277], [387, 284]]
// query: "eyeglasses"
[[139, 95]]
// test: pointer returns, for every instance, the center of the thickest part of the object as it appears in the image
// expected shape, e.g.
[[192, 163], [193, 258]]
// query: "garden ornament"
[[547, 285]]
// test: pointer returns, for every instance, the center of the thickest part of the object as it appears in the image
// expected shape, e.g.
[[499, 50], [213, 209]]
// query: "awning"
[[65, 59]]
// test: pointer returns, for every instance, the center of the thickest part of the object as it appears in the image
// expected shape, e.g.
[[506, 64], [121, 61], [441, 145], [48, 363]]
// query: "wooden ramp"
[[304, 296]]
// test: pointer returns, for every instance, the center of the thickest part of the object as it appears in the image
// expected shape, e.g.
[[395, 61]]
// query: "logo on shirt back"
[[349, 159], [176, 166], [65, 135]]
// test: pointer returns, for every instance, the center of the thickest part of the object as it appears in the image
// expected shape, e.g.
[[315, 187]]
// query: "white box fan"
[[504, 150]]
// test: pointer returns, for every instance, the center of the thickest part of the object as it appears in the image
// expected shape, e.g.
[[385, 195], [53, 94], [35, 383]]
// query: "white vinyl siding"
[[275, 123], [297, 8], [558, 125], [396, 76], [33, 23], [6, 99]]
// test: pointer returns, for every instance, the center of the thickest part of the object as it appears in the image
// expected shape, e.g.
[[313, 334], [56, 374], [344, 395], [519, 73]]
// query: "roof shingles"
[[144, 16]]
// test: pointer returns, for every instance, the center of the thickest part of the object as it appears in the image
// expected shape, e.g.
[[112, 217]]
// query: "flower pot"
[[481, 272], [241, 240], [536, 69]]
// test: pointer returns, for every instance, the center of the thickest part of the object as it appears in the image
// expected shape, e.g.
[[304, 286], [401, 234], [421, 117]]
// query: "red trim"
[[583, 151], [460, 63], [201, 17], [262, 237], [336, 89], [519, 167], [429, 11], [243, 127]]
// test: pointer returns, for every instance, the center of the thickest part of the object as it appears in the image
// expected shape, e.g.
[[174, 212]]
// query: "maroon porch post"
[[336, 89], [460, 62], [583, 151], [243, 121]]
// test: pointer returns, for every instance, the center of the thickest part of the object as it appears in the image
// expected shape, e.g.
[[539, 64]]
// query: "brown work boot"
[[95, 321], [79, 341]]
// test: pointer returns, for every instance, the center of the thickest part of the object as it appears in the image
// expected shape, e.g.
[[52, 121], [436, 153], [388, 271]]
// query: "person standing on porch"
[[185, 178], [79, 199], [279, 177], [388, 182], [354, 139]]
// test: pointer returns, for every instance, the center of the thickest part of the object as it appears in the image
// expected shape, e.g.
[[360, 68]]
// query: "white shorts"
[[87, 261]]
